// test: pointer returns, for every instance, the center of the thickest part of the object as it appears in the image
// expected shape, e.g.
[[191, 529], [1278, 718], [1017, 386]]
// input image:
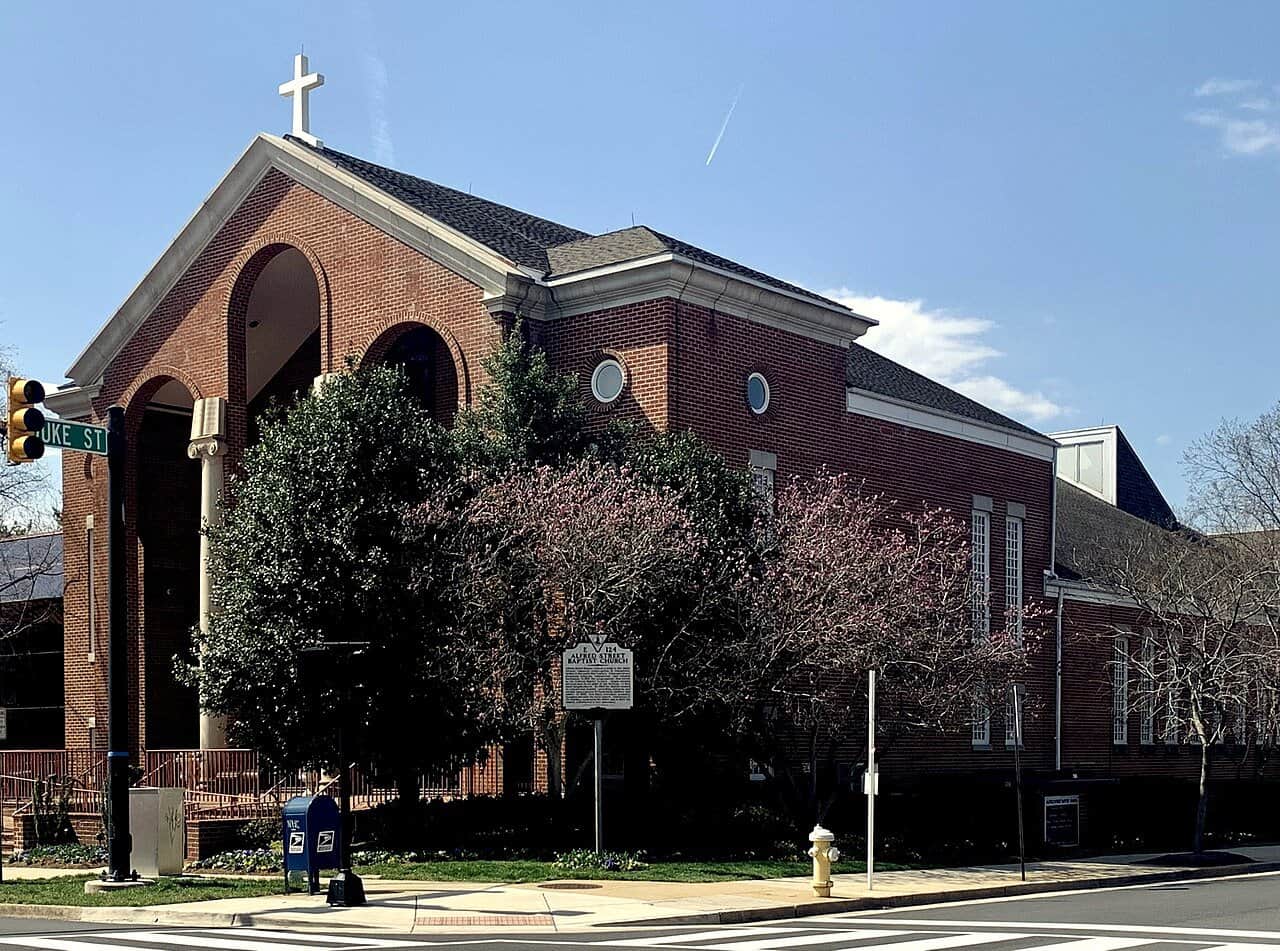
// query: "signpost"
[[871, 781], [597, 677], [1016, 699]]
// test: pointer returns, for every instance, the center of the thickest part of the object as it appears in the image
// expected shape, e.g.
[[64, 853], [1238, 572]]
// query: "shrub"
[[243, 861], [586, 860], [67, 855]]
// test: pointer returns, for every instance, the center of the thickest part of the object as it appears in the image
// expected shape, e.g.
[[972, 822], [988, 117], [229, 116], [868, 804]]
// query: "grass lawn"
[[532, 871], [69, 890]]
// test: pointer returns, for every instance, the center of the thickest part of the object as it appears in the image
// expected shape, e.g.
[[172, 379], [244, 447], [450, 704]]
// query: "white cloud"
[[946, 347], [1240, 136], [1225, 87], [1257, 104], [1163, 439]]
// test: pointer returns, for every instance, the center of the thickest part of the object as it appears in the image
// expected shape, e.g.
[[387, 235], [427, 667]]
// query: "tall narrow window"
[[1120, 693], [1013, 577], [981, 607], [763, 466], [1147, 735], [1171, 718], [981, 723], [981, 543]]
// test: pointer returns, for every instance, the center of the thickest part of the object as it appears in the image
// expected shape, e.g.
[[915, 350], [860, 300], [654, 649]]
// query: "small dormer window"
[[1082, 465]]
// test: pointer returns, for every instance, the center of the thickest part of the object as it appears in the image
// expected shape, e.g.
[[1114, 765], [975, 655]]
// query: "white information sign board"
[[597, 678], [4, 723]]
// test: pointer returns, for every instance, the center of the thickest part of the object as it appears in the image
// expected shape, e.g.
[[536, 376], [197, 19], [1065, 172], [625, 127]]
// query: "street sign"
[[79, 437], [597, 677]]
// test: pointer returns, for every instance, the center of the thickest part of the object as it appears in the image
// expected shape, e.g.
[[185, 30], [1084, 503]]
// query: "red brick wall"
[[369, 284]]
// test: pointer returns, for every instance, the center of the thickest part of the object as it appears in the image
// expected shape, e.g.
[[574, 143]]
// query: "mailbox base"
[[346, 889]]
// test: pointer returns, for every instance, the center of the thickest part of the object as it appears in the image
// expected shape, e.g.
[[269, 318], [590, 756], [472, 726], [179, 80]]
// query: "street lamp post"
[[345, 888]]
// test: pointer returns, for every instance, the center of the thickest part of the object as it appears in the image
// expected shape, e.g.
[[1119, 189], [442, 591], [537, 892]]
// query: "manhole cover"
[[571, 885]]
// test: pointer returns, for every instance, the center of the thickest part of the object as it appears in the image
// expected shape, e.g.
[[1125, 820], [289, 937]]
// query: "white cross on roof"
[[300, 88]]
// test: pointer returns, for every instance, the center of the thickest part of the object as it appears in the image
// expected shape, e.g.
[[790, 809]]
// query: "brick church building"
[[304, 257]]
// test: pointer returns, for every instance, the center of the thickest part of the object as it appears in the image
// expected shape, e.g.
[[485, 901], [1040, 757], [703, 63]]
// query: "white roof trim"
[[878, 406], [667, 274], [1086, 593]]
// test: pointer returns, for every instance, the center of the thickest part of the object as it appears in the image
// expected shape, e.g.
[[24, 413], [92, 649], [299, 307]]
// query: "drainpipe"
[[1057, 692]]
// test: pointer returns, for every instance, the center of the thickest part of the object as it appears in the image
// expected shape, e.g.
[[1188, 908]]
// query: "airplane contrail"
[[724, 125]]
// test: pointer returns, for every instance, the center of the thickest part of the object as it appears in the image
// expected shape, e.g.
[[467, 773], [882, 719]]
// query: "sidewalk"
[[408, 907]]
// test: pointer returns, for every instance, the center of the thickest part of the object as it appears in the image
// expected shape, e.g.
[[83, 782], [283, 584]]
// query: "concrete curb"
[[125, 915], [838, 906]]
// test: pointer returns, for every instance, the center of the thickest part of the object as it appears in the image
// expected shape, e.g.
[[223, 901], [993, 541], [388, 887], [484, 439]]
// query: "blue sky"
[[1068, 210]]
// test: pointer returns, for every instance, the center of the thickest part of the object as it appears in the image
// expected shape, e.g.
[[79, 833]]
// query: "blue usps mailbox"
[[312, 838]]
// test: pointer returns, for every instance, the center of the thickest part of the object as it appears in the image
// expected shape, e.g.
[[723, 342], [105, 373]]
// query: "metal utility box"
[[312, 837], [157, 823]]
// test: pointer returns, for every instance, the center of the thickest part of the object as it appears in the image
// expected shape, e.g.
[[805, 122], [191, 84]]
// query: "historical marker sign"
[[1062, 821], [76, 436], [597, 677]]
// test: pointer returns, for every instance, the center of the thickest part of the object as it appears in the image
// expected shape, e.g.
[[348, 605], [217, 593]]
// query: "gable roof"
[[555, 249], [31, 568], [867, 370], [518, 235]]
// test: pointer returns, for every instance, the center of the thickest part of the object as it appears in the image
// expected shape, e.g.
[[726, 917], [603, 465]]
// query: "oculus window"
[[607, 380], [757, 393]]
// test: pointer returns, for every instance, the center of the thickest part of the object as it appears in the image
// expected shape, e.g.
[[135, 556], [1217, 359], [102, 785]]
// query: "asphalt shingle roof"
[[1084, 522], [558, 250], [867, 370], [30, 568], [517, 235]]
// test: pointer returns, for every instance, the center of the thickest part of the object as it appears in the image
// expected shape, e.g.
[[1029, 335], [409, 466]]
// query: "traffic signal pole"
[[120, 842]]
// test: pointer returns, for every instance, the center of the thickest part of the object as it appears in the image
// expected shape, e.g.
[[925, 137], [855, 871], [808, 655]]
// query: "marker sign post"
[[598, 676]]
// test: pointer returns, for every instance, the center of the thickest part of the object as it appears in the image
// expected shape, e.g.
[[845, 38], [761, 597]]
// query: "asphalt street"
[[1230, 914]]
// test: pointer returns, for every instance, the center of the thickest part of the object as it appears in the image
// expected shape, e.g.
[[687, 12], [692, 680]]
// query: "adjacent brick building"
[[303, 258]]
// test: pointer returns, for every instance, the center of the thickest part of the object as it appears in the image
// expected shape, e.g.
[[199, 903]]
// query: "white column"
[[209, 445]]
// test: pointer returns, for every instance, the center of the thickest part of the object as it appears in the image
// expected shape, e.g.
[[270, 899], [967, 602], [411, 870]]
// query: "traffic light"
[[25, 420]]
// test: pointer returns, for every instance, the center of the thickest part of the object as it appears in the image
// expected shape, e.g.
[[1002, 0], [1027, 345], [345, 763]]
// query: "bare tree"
[[1202, 645]]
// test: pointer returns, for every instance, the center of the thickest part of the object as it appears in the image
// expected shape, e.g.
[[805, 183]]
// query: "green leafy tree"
[[527, 414], [317, 548]]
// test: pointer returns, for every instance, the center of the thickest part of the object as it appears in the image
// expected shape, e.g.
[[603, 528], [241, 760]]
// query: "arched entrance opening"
[[168, 530], [281, 331], [433, 376]]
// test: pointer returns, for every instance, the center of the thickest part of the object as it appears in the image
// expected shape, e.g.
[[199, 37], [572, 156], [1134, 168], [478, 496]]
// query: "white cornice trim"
[[1086, 593], [671, 275], [877, 406], [73, 402]]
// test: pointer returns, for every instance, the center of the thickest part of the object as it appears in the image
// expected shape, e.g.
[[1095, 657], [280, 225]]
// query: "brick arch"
[[243, 274], [382, 341], [139, 393]]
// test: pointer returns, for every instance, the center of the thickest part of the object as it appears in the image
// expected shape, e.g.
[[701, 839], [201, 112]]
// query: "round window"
[[607, 381], [757, 393]]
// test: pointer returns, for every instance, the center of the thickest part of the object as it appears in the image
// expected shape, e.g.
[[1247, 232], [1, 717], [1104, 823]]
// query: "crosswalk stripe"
[[1210, 934], [691, 936], [205, 941], [1095, 944], [291, 936], [948, 941], [804, 940], [62, 944]]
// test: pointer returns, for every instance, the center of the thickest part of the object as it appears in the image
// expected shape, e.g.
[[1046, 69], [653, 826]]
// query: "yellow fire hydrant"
[[823, 853]]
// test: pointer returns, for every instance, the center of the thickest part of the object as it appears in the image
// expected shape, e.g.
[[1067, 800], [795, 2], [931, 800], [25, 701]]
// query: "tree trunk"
[[1202, 807]]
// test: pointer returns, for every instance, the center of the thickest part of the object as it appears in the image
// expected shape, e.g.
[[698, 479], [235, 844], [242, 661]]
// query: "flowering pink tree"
[[850, 583], [561, 555]]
